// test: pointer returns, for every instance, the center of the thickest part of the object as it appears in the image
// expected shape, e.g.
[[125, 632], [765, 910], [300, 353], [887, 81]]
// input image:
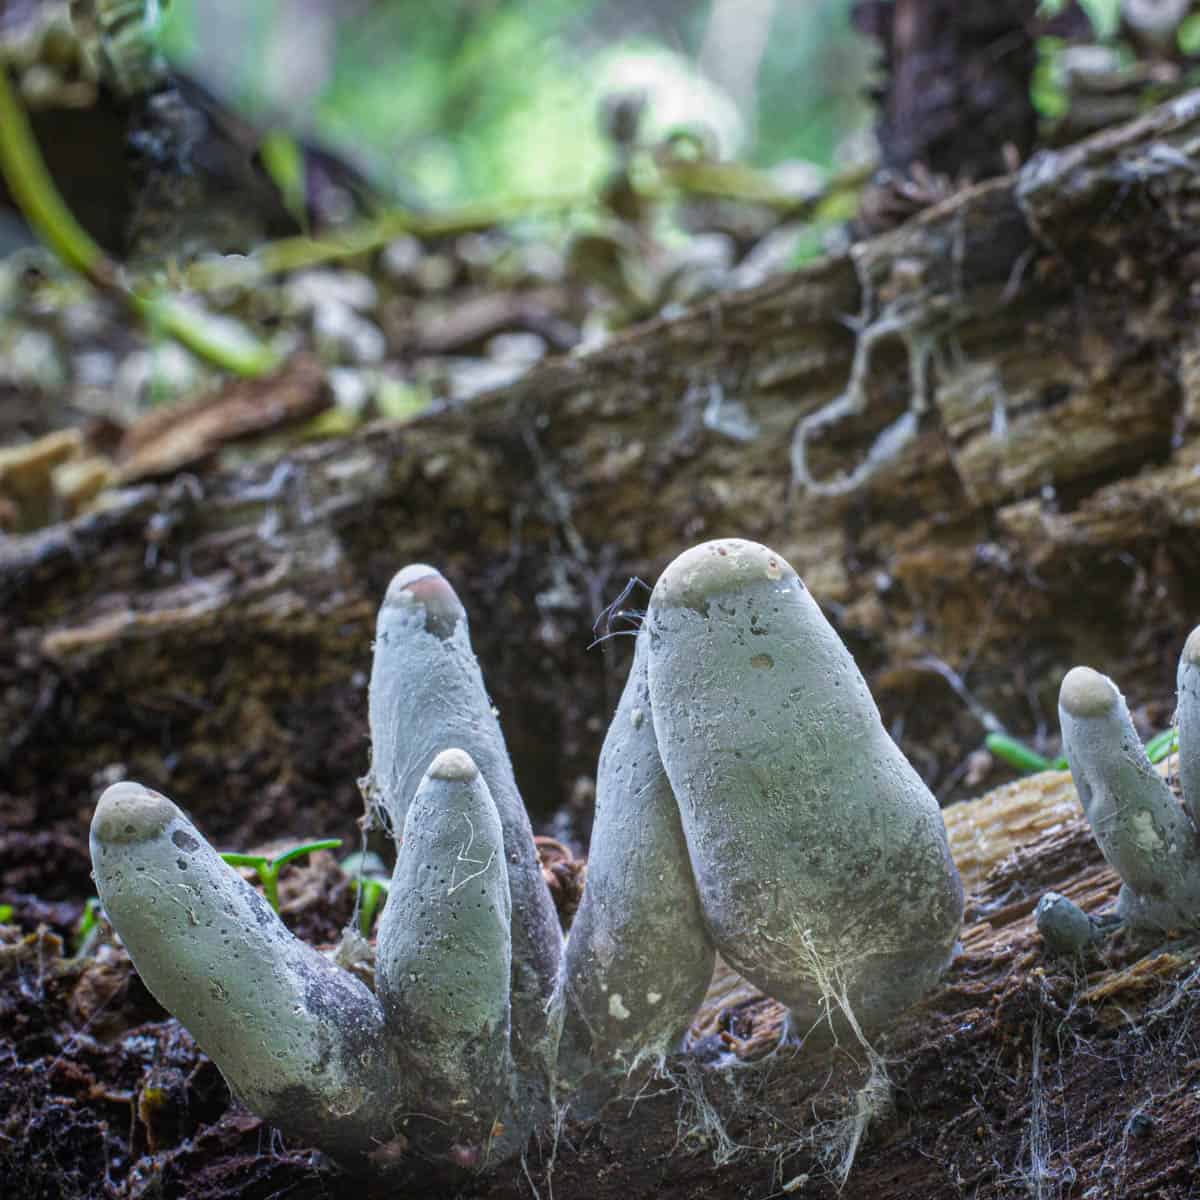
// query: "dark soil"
[[1021, 1076]]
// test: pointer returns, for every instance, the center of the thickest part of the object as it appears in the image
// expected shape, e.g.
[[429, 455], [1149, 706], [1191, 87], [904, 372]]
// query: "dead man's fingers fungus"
[[1141, 828], [1187, 714], [1065, 928], [638, 959], [749, 801], [299, 1040], [427, 694], [443, 958], [817, 849]]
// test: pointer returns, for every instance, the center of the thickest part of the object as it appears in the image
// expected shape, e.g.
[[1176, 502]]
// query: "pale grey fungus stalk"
[[638, 959], [301, 1042], [817, 848], [1187, 715], [443, 959], [780, 825], [1065, 928], [1140, 827], [427, 694]]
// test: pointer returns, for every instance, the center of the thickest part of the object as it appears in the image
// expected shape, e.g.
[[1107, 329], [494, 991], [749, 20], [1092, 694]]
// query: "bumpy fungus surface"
[[748, 800], [1144, 832], [639, 958], [427, 694], [300, 1041], [818, 850]]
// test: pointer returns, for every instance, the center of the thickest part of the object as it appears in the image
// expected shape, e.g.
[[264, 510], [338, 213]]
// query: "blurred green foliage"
[[493, 98], [1104, 15], [1189, 35], [1049, 97]]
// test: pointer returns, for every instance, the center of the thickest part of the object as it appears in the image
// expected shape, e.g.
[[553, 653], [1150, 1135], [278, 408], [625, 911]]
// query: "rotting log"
[[209, 633]]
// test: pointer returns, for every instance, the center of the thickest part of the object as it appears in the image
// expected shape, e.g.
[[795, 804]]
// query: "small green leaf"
[[373, 891], [1162, 744], [1017, 754], [1046, 89], [307, 848], [87, 928], [1189, 35], [283, 158], [257, 861], [1105, 15]]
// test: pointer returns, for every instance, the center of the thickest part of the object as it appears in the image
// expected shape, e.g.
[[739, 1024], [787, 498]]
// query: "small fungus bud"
[[443, 961], [1065, 928], [1140, 827]]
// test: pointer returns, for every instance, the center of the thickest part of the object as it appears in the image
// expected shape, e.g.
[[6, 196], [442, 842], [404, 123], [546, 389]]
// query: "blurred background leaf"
[[491, 98]]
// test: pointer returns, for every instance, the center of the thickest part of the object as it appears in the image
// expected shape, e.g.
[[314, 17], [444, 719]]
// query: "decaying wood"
[[210, 634], [1041, 516]]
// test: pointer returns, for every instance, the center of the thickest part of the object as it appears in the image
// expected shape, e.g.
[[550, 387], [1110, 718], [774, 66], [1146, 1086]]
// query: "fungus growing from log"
[[1143, 830], [639, 958], [427, 695], [748, 800], [1066, 929], [810, 833]]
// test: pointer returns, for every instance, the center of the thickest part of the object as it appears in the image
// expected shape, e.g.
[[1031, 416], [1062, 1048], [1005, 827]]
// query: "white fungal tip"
[[128, 812], [1087, 693], [712, 568], [421, 585], [1191, 649], [453, 766]]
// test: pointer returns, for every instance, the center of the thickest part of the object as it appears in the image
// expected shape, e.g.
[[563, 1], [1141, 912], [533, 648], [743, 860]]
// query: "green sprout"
[[1020, 756], [1162, 744], [87, 929], [6, 913], [370, 882], [373, 891], [1024, 758], [268, 869]]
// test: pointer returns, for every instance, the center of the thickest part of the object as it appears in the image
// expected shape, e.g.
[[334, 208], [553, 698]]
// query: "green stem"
[[1025, 758], [269, 876], [1016, 754], [24, 169], [237, 352], [38, 198], [291, 254]]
